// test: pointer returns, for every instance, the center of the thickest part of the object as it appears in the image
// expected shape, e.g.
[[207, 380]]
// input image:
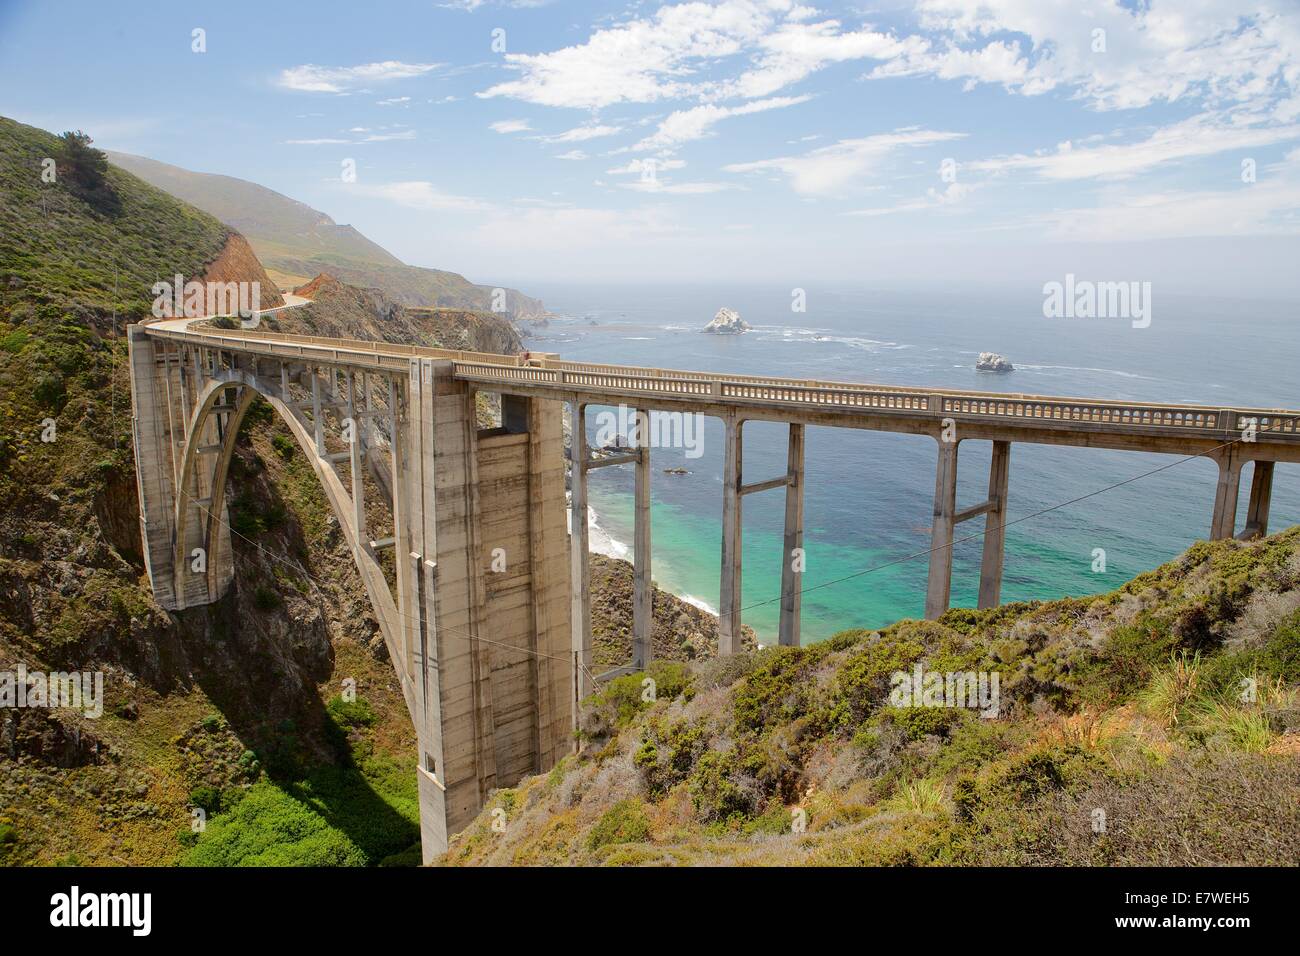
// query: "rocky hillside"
[[296, 242], [344, 310], [1155, 725], [238, 263], [681, 632]]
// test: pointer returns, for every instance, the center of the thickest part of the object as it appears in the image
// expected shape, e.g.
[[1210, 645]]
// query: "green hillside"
[[275, 224], [1155, 725], [293, 239], [204, 708], [73, 272]]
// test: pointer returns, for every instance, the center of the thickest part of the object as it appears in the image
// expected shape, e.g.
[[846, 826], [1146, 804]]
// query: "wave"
[[1085, 368], [702, 604], [798, 334], [602, 542]]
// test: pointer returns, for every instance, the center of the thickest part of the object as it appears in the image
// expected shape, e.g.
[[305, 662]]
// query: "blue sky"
[[740, 139]]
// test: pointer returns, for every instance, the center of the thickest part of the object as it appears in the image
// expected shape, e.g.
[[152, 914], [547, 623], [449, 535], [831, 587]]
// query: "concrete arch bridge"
[[493, 662]]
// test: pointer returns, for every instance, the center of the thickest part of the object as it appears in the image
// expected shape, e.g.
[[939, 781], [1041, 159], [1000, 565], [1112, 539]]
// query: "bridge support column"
[[1228, 489], [995, 527], [356, 399], [580, 559], [792, 580], [155, 472], [642, 584], [939, 587], [420, 616], [729, 623], [457, 762], [318, 424], [1261, 495]]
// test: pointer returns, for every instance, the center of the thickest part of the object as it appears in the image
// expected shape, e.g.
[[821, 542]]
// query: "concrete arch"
[[216, 522]]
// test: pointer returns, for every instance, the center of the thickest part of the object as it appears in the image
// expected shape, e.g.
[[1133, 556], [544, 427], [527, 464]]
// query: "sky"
[[738, 140]]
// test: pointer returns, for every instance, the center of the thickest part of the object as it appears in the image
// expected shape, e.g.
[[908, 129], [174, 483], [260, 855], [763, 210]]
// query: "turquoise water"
[[869, 494]]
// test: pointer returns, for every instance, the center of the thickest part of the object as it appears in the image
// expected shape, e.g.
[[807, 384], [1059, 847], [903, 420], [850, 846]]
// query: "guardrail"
[[620, 381]]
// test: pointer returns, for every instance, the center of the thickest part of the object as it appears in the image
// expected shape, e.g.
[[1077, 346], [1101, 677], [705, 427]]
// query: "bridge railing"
[[620, 380]]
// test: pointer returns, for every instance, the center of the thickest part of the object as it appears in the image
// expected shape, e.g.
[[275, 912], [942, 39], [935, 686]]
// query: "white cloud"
[[393, 101], [509, 126], [796, 50], [662, 56], [323, 141], [422, 195], [683, 126], [310, 78], [1195, 137], [830, 169], [953, 194], [1157, 51], [655, 185], [581, 134], [385, 137], [573, 154], [638, 166]]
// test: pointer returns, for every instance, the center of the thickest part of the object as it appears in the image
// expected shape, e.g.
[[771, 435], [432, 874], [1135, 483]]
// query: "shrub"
[[284, 445], [207, 798], [354, 713], [863, 680], [211, 723], [265, 599], [715, 793], [624, 822], [668, 753], [623, 698]]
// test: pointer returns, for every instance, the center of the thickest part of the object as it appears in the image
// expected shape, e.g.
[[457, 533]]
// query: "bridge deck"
[[1024, 417]]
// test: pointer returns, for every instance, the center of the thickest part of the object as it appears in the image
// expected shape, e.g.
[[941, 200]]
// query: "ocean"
[[869, 495]]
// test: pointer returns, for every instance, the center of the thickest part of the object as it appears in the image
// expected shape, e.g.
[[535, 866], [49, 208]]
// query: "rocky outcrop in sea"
[[993, 362], [727, 322]]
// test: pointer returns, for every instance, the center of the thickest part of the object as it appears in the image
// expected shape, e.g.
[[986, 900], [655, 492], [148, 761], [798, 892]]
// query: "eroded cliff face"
[[345, 311], [238, 263]]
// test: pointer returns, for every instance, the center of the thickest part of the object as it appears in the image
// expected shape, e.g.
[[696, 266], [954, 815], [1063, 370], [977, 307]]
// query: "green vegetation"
[[624, 822], [362, 809], [220, 708], [75, 268], [1158, 724]]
